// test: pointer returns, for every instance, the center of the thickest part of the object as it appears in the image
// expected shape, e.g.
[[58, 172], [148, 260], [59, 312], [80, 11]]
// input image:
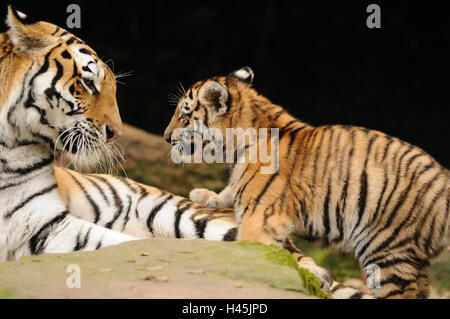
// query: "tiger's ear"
[[27, 35], [214, 96], [244, 74]]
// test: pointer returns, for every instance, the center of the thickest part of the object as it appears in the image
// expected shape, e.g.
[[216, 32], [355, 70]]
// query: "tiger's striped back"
[[358, 190]]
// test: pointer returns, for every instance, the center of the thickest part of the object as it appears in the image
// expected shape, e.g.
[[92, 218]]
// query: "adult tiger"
[[56, 95], [358, 190]]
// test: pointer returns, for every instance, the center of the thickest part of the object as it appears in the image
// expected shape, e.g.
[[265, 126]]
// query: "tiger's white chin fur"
[[103, 159]]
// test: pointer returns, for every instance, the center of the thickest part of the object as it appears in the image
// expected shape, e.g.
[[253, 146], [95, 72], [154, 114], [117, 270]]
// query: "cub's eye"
[[185, 107]]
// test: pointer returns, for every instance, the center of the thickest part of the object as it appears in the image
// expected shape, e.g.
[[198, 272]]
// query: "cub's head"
[[55, 90], [207, 106]]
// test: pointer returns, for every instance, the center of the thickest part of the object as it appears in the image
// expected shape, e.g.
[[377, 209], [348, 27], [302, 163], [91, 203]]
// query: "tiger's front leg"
[[209, 198], [306, 262], [65, 234], [268, 228]]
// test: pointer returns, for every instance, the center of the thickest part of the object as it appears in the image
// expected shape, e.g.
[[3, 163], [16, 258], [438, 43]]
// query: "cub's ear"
[[214, 96], [244, 74], [27, 35]]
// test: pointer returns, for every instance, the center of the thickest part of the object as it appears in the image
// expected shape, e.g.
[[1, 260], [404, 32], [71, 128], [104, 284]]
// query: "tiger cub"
[[351, 188]]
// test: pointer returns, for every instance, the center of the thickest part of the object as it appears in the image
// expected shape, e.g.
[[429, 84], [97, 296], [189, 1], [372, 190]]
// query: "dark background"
[[319, 61]]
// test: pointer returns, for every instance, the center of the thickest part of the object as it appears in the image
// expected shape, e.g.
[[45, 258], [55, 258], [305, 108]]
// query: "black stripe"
[[231, 234], [155, 210], [398, 281], [361, 200], [397, 292], [389, 143], [117, 200], [127, 213], [178, 215], [45, 139], [29, 169], [326, 217], [411, 160], [37, 242], [356, 295], [22, 92], [244, 186], [13, 184], [28, 199], [430, 237], [318, 152], [200, 226], [397, 180], [86, 51], [97, 186], [391, 217], [80, 244], [278, 114], [94, 206], [363, 187], [264, 190], [71, 40], [56, 30], [293, 135], [131, 186], [304, 214], [344, 193]]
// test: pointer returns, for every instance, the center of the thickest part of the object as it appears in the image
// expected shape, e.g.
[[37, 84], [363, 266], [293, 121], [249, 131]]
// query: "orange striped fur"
[[358, 190]]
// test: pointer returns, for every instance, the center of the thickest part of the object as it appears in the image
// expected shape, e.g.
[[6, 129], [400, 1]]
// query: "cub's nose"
[[111, 133]]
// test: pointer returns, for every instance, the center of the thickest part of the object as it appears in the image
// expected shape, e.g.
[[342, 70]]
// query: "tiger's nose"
[[111, 133], [168, 136]]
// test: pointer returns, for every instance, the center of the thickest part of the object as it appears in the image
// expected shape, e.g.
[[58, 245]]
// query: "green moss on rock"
[[5, 294], [282, 257]]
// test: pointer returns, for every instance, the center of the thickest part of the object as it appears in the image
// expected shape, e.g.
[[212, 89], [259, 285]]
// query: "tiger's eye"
[[89, 83]]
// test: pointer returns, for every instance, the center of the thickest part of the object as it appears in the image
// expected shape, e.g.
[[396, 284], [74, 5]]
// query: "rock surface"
[[158, 268]]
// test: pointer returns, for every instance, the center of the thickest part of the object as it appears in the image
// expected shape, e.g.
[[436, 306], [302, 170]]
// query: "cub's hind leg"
[[423, 283], [394, 280], [275, 229]]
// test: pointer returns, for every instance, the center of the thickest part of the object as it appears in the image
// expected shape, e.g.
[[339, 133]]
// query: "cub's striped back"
[[358, 190]]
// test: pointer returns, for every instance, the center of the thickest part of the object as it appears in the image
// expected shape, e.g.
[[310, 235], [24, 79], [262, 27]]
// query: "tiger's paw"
[[323, 275], [204, 196]]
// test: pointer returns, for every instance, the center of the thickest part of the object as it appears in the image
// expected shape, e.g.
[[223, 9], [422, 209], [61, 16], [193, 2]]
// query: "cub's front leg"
[[209, 198]]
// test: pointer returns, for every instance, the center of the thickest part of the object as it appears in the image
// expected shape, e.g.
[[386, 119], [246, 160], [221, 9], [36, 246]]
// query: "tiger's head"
[[55, 90], [214, 104]]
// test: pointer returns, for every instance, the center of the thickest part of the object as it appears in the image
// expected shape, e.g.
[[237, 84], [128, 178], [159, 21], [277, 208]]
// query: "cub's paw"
[[342, 291], [204, 196], [324, 276]]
